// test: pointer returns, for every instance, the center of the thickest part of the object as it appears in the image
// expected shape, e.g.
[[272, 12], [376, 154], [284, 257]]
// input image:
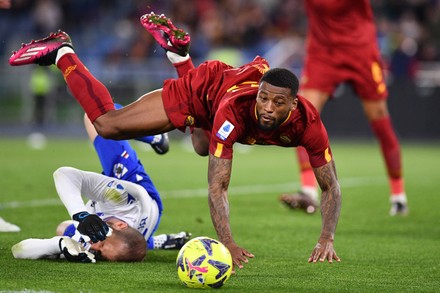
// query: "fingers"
[[97, 232], [241, 258], [93, 236], [314, 257], [92, 226], [315, 253], [335, 257], [97, 236], [248, 254], [238, 261], [321, 254], [89, 257], [74, 252]]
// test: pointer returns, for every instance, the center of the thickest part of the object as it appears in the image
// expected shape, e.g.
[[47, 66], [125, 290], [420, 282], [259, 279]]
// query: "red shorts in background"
[[324, 70]]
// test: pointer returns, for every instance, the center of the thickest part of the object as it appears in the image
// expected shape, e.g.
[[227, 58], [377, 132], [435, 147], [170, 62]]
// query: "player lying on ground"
[[123, 196], [251, 104]]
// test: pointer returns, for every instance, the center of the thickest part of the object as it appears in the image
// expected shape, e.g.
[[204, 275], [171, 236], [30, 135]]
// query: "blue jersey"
[[119, 160]]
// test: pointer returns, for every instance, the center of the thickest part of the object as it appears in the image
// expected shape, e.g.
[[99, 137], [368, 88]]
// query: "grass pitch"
[[379, 253]]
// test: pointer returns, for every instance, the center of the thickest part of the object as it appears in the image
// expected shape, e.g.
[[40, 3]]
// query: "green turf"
[[379, 253]]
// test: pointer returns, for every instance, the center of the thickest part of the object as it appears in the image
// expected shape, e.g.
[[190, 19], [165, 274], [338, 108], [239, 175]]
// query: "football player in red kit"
[[342, 48], [251, 104]]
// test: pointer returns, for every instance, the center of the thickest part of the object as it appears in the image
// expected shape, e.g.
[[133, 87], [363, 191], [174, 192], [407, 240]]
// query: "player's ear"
[[119, 225], [294, 104]]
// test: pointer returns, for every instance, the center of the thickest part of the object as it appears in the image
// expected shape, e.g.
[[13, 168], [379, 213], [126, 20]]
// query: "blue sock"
[[150, 243], [146, 139], [70, 231]]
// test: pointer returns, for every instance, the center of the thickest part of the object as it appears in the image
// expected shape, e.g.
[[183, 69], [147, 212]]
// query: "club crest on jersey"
[[225, 130], [119, 170], [250, 140], [189, 120]]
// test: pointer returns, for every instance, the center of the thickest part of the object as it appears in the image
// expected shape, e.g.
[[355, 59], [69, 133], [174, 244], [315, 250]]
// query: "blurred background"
[[114, 46]]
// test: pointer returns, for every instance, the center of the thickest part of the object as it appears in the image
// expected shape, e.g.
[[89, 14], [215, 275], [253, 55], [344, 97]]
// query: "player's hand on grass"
[[324, 251], [75, 252], [92, 226], [239, 255]]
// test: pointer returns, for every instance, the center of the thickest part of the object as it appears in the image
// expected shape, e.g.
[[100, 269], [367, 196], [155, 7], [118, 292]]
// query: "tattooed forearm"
[[219, 174], [330, 199]]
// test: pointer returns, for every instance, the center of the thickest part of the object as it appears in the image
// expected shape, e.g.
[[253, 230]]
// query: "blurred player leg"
[[8, 227], [307, 197], [380, 121]]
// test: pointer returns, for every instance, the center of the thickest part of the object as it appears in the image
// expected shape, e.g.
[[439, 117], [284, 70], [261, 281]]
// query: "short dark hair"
[[281, 77]]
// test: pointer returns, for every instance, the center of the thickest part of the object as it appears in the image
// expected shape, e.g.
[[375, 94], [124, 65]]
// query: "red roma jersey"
[[342, 47], [340, 23], [221, 99]]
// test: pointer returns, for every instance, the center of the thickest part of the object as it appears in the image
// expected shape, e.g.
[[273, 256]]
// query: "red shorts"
[[324, 70], [176, 104], [185, 99]]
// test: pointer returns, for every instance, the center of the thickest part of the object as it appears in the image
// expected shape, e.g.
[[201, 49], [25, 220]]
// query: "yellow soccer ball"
[[204, 262]]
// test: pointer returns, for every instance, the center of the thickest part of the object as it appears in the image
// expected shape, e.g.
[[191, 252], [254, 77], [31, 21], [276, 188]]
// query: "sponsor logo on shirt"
[[142, 223], [225, 130], [262, 68]]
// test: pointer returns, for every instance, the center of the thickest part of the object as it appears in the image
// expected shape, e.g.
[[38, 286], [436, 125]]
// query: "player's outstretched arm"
[[35, 248], [71, 184], [52, 248], [219, 174], [330, 210]]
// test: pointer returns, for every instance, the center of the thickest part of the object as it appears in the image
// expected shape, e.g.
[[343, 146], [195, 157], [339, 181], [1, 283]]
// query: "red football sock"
[[92, 95], [183, 67], [397, 186], [307, 176], [390, 147]]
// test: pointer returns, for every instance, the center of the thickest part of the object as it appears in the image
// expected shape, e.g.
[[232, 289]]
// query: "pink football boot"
[[166, 34], [42, 52]]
